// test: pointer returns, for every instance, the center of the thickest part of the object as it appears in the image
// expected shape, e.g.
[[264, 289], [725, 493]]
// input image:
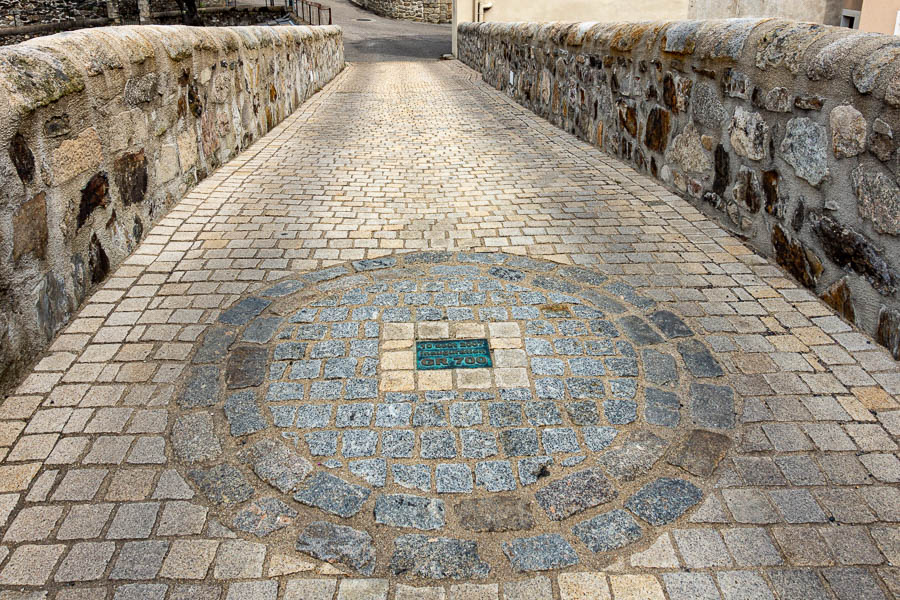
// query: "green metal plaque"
[[452, 354]]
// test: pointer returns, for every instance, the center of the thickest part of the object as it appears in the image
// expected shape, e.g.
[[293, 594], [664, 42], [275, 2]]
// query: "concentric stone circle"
[[304, 420]]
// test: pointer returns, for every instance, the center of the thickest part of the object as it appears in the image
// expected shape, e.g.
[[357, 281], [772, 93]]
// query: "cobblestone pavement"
[[236, 412]]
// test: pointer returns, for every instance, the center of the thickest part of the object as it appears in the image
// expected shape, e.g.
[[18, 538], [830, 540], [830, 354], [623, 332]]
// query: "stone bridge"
[[229, 259]]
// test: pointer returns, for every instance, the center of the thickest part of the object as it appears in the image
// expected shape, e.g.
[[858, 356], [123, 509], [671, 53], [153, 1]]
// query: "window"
[[850, 19]]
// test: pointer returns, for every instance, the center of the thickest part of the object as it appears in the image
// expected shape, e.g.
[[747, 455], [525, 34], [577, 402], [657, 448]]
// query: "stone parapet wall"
[[429, 11], [785, 132], [103, 130]]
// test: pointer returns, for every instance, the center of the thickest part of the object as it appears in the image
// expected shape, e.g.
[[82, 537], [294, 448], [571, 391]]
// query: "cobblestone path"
[[237, 412]]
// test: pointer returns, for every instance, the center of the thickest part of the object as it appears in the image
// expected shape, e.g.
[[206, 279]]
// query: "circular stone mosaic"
[[304, 418]]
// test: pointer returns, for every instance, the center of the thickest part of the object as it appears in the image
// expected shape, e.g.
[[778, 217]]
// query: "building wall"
[[428, 11], [787, 133], [574, 10], [813, 11], [103, 130], [879, 16]]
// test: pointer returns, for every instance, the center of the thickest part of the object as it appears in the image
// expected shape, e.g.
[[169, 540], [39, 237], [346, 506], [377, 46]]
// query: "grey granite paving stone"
[[305, 369], [245, 310], [291, 351], [405, 510], [412, 476], [659, 368], [356, 443], [635, 457], [515, 394], [540, 553], [622, 367], [547, 366], [608, 531], [340, 368], [587, 367], [664, 500], [243, 414], [712, 406], [373, 470], [598, 439], [398, 443], [505, 414], [326, 390], [699, 360], [437, 558], [214, 347], [429, 414], [638, 331], [201, 389], [332, 494], [700, 452], [354, 415], [620, 412], [322, 443], [690, 586], [538, 347], [583, 413], [575, 493], [311, 416], [361, 389], [277, 465], [661, 407], [329, 349], [572, 327], [478, 444], [465, 414], [283, 416], [141, 591], [533, 469], [393, 414], [437, 443], [549, 389], [280, 392], [495, 476], [374, 264], [853, 583], [222, 484], [797, 583], [194, 439], [264, 516], [559, 440], [306, 315], [364, 348], [453, 479], [623, 388], [312, 332], [519, 442], [284, 288]]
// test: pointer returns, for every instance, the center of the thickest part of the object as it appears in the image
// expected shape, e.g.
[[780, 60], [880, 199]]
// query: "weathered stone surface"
[[338, 544], [244, 311], [888, 332], [405, 510], [796, 258], [130, 172], [688, 153], [21, 157], [333, 495], [850, 249], [664, 500], [706, 106], [222, 484], [93, 196], [635, 457], [496, 513], [30, 228], [779, 99], [700, 452], [839, 297], [575, 493], [658, 127], [749, 134], [194, 439], [264, 516], [698, 359], [881, 142], [803, 147], [638, 330], [277, 465], [670, 324], [437, 558], [747, 190], [246, 367], [608, 531], [879, 199], [712, 406], [540, 553], [848, 131], [243, 414]]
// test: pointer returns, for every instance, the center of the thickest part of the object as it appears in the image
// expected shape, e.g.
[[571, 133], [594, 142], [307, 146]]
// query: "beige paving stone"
[[363, 589], [636, 587], [435, 380], [474, 591], [31, 565], [397, 381], [583, 586], [286, 564], [409, 592], [189, 559], [14, 478], [398, 361], [310, 589], [475, 379], [660, 555]]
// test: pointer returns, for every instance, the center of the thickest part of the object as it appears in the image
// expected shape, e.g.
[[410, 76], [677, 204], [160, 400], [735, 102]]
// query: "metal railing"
[[311, 13]]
